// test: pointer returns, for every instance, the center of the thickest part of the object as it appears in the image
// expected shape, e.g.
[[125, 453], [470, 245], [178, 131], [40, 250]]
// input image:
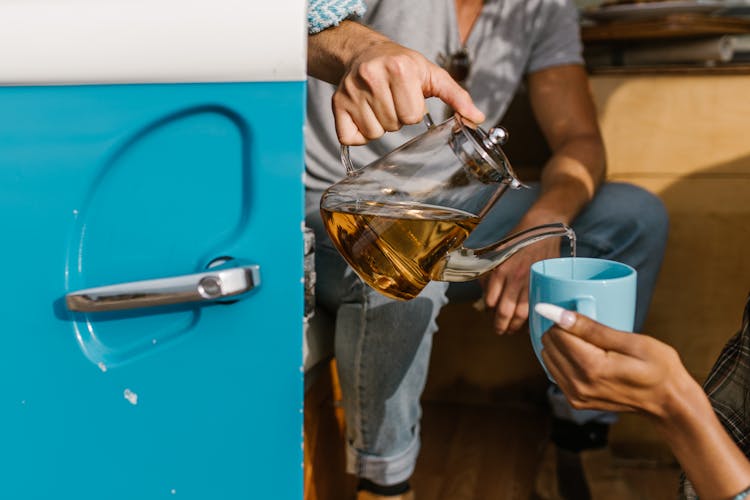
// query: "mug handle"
[[586, 305], [347, 161]]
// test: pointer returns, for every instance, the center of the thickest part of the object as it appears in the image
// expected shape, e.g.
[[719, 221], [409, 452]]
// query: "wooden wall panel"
[[685, 138]]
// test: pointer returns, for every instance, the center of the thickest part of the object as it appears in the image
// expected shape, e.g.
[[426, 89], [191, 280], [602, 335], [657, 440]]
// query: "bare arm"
[[564, 109], [601, 368], [381, 85]]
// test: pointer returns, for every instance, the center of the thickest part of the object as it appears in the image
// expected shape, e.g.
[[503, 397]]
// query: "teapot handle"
[[347, 161]]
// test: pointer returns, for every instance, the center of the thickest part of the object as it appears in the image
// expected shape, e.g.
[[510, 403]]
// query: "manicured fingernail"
[[561, 316]]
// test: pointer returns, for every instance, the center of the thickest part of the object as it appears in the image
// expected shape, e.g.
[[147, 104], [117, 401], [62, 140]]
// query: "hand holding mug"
[[601, 368], [603, 290]]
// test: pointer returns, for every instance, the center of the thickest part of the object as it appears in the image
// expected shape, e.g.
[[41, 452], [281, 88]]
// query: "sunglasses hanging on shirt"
[[458, 66]]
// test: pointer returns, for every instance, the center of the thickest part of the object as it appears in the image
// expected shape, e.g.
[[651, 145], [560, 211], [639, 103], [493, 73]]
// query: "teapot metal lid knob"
[[498, 135]]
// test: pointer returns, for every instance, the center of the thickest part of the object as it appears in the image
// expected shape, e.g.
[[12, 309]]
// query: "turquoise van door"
[[153, 261]]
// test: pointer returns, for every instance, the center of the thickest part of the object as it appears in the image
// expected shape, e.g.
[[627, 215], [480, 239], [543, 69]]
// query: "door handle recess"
[[200, 287]]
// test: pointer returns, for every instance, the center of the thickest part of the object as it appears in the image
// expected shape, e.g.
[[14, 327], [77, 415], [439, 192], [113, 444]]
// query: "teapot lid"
[[487, 146]]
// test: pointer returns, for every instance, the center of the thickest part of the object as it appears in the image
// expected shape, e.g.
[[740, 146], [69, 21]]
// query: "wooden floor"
[[473, 452], [476, 452], [497, 453]]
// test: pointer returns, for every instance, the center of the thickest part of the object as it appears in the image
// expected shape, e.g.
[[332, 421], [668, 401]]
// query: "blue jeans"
[[382, 346]]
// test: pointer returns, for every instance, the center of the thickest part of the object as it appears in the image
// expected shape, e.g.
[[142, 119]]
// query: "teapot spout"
[[466, 264]]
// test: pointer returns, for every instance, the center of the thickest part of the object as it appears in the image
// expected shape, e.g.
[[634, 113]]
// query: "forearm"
[[569, 181], [329, 53], [565, 112], [601, 368], [711, 460]]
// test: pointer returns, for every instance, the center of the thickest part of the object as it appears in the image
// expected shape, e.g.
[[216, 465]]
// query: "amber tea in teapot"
[[396, 248], [401, 221]]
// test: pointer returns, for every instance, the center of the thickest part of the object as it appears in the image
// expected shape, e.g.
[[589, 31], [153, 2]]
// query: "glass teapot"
[[401, 221]]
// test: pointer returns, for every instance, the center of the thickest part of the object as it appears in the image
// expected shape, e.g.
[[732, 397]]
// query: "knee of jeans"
[[416, 316], [653, 218], [643, 211], [436, 292]]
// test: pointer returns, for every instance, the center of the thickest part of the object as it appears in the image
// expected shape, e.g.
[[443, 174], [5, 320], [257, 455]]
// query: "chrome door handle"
[[201, 287]]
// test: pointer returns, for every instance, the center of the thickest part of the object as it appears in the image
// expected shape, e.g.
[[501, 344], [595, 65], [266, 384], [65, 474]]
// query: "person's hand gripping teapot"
[[401, 220]]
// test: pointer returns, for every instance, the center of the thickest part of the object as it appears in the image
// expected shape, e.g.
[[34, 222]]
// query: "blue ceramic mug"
[[601, 289]]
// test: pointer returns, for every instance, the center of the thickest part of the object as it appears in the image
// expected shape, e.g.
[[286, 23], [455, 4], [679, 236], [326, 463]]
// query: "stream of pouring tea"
[[572, 238]]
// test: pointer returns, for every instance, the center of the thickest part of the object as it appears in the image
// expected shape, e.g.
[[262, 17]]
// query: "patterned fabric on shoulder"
[[728, 389], [322, 14]]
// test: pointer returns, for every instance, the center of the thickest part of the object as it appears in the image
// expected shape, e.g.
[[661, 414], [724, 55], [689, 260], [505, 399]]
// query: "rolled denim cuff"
[[385, 471], [743, 495], [322, 14]]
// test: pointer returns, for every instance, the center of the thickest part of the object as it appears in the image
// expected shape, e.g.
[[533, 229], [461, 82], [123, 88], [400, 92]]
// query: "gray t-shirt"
[[510, 39]]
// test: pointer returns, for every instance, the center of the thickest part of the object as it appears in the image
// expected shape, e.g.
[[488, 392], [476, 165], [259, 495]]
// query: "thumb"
[[440, 84], [585, 328]]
